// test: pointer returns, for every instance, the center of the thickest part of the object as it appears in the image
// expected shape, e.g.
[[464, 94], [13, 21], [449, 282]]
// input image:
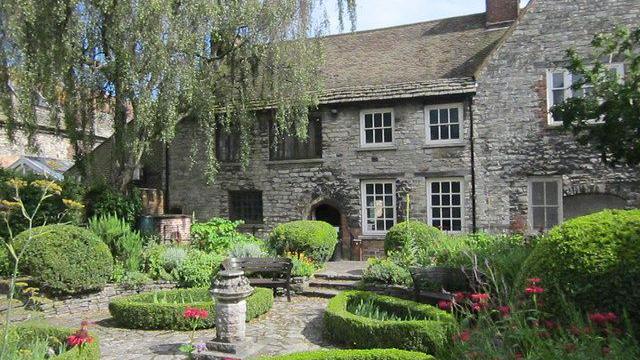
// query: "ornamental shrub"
[[593, 260], [125, 244], [429, 330], [316, 239], [102, 199], [66, 259], [198, 268], [387, 272], [373, 354], [25, 334], [420, 234], [164, 309], [219, 235]]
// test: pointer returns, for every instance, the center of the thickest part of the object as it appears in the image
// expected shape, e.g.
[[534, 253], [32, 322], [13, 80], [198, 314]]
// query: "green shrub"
[[125, 244], [134, 279], [25, 334], [6, 263], [153, 260], [198, 268], [385, 271], [316, 239], [373, 354], [418, 233], [430, 333], [164, 309], [247, 249], [102, 199], [302, 266], [173, 257], [218, 235], [66, 259], [593, 260]]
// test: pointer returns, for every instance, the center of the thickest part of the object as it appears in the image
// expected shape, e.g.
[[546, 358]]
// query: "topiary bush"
[[593, 260], [373, 354], [164, 309], [421, 327], [420, 233], [316, 239], [25, 334], [65, 259]]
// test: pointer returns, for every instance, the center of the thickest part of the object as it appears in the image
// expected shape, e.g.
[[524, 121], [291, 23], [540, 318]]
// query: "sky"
[[374, 14]]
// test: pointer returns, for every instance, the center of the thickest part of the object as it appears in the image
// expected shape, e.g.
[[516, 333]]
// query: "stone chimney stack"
[[502, 12]]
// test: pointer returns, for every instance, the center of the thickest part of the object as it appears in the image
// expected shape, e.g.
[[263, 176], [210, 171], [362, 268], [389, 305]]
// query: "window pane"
[[455, 131], [446, 187], [445, 200], [456, 225], [435, 212], [368, 136], [446, 212], [380, 225], [389, 224], [558, 80], [455, 186], [437, 224], [387, 135], [537, 193], [444, 132], [558, 97], [446, 225], [433, 116], [455, 199], [369, 188], [387, 119], [435, 200], [379, 188], [388, 201], [444, 116], [378, 137], [435, 187], [368, 121], [434, 133], [388, 188], [388, 213], [369, 200], [552, 217], [377, 120], [538, 218], [456, 212], [552, 193], [453, 115]]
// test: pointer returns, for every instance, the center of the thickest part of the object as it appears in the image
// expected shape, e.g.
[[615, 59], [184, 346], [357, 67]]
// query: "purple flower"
[[201, 347]]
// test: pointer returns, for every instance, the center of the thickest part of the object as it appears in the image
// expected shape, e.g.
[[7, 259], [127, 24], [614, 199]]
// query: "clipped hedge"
[[28, 332], [423, 235], [593, 260], [374, 354], [430, 335], [316, 239], [164, 309], [65, 259]]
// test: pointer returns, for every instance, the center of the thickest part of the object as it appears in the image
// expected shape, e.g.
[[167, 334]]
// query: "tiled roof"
[[422, 59]]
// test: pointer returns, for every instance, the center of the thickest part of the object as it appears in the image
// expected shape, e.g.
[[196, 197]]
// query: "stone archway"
[[329, 211]]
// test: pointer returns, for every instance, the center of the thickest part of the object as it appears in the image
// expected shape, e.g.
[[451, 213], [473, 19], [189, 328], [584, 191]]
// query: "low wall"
[[96, 301]]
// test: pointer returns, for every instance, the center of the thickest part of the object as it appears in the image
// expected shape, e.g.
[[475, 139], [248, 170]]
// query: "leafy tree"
[[607, 116], [152, 63]]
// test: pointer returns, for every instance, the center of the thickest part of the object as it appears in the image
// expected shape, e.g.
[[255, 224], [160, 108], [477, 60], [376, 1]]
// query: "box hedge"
[[430, 333], [373, 354], [28, 332], [164, 309], [316, 239], [423, 235], [593, 260], [65, 259]]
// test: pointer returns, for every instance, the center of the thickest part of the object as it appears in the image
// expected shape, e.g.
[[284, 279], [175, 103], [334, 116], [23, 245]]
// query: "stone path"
[[288, 327]]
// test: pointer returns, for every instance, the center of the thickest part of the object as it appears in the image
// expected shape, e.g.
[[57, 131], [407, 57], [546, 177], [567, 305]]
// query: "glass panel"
[[435, 200], [455, 131], [537, 193], [435, 212], [444, 116], [446, 225], [369, 188], [445, 200], [369, 200], [379, 188], [446, 187], [388, 213], [453, 115], [456, 225], [435, 187], [538, 218], [387, 135], [388, 188], [380, 225], [434, 133], [378, 137], [455, 186], [368, 136], [446, 212], [433, 116], [552, 217], [388, 201], [558, 80], [370, 226], [387, 119], [456, 212], [389, 224], [444, 132], [436, 223], [552, 193], [368, 121], [377, 120], [370, 213], [455, 199], [558, 97]]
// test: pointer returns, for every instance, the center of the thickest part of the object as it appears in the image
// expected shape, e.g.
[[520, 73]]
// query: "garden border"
[[371, 354]]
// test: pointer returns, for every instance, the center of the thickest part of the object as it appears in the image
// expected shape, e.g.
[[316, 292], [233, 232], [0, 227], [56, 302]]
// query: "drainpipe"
[[473, 168], [166, 178]]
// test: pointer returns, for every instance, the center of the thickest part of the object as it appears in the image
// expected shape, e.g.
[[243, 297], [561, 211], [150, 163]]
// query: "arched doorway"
[[330, 214]]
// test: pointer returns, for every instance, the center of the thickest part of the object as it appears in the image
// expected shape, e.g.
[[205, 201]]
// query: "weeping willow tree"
[[151, 63]]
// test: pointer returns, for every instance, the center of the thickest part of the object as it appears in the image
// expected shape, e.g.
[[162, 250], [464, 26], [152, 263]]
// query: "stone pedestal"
[[230, 290]]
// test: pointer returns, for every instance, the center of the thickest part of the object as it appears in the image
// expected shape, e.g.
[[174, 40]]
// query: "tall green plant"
[[125, 244]]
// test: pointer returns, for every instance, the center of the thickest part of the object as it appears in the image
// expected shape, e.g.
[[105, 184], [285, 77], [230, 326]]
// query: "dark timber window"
[[227, 145], [289, 147], [246, 205]]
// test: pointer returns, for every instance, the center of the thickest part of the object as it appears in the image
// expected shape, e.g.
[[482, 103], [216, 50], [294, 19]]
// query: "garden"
[[566, 294]]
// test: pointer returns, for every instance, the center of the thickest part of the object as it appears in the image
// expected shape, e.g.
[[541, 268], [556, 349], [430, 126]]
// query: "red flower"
[[519, 356], [79, 339], [534, 280], [444, 304], [603, 318], [459, 296], [505, 311], [534, 290], [479, 297], [476, 307], [195, 313], [463, 336]]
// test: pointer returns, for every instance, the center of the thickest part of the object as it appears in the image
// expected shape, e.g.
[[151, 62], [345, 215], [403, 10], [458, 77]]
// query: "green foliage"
[[198, 268], [593, 260], [219, 235], [103, 200], [153, 259], [134, 280], [316, 239], [6, 264], [610, 99], [385, 271], [430, 334], [302, 265], [416, 233], [164, 309], [247, 249], [66, 259], [25, 335], [125, 244], [173, 257], [373, 354]]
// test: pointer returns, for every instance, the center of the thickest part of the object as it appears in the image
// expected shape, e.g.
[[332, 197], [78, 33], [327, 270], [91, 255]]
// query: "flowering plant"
[[195, 316], [81, 337]]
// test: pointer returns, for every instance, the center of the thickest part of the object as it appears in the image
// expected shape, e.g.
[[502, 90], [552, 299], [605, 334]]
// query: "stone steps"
[[319, 292], [338, 276]]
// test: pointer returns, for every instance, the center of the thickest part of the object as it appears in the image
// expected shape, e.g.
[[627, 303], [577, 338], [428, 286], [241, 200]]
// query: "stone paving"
[[287, 327]]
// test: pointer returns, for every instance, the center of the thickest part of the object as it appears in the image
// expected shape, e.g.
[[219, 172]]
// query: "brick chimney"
[[502, 12]]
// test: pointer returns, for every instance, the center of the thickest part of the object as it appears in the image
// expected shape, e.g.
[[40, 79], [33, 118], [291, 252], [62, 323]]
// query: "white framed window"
[[445, 199], [376, 127], [378, 206], [545, 203], [559, 83], [444, 123]]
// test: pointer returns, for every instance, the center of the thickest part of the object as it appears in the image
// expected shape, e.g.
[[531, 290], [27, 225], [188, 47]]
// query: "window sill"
[[435, 145], [296, 161], [377, 148]]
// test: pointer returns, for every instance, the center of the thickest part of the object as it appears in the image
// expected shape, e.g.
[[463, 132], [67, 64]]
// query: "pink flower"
[[459, 296], [195, 313], [479, 297], [534, 280], [534, 290], [463, 336], [603, 318], [80, 337], [476, 307], [505, 311], [444, 305]]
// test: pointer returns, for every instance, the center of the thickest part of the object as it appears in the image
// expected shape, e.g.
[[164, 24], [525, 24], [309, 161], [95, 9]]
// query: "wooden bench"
[[264, 272], [439, 283]]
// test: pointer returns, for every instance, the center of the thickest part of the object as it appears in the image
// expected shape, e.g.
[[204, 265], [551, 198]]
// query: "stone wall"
[[96, 301], [513, 140], [290, 188]]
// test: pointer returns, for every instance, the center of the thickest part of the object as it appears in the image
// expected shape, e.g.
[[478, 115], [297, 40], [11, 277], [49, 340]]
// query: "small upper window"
[[560, 83], [444, 123], [376, 127], [246, 205], [289, 147], [227, 145], [545, 203]]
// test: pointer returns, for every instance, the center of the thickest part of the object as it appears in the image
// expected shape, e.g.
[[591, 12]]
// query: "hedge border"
[[372, 354], [89, 351], [139, 312], [429, 336]]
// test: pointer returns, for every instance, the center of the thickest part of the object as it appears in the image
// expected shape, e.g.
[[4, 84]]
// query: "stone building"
[[451, 112]]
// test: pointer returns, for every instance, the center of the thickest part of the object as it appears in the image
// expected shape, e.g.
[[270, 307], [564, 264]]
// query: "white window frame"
[[427, 122], [363, 199], [568, 92], [462, 201], [363, 139], [530, 206]]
